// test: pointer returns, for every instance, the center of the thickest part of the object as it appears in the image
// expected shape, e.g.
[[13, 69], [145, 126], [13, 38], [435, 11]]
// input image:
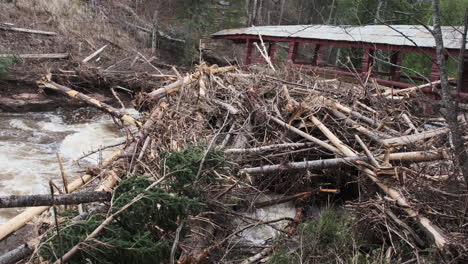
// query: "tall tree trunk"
[[447, 101], [283, 2]]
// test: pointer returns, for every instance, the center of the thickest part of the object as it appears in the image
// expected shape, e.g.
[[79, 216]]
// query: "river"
[[29, 143]]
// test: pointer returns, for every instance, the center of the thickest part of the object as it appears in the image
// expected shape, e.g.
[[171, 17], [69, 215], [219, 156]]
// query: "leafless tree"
[[450, 105]]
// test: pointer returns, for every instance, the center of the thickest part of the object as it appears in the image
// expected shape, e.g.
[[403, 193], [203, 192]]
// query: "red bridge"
[[397, 39]]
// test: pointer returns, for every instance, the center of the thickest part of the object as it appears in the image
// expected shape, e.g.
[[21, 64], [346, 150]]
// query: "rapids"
[[29, 143]]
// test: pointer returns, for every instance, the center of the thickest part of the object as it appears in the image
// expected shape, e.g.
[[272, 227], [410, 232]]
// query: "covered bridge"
[[399, 39]]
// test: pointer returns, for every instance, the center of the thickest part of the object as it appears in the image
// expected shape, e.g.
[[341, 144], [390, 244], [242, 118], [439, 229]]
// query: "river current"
[[29, 143]]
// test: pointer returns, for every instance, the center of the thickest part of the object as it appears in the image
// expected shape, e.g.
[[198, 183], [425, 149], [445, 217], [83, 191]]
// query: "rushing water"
[[29, 143]]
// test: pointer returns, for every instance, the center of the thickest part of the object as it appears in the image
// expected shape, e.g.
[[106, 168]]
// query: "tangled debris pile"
[[214, 141]]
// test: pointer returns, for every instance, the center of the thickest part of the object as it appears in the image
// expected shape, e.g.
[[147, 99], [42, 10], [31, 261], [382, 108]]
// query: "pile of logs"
[[287, 125]]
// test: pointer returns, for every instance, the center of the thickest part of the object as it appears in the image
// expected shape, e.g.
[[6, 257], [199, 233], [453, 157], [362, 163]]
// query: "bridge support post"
[[366, 62], [272, 51], [248, 52], [292, 51], [395, 68]]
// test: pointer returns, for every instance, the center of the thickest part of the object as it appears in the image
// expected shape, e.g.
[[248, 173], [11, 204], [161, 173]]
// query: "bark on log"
[[416, 156], [47, 199], [47, 83], [37, 56], [23, 218], [312, 165], [16, 254]]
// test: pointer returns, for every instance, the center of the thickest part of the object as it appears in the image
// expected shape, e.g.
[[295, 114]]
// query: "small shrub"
[[141, 234], [5, 63], [328, 239]]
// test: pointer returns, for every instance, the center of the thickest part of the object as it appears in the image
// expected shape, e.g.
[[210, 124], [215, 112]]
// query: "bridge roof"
[[396, 35]]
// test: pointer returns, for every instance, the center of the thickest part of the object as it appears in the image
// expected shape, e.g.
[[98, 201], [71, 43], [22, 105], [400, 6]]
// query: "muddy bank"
[[22, 97]]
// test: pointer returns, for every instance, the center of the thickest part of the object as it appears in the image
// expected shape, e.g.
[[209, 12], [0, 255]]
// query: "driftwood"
[[267, 148], [16, 254], [312, 165], [374, 135], [94, 54], [404, 140], [26, 30], [47, 83], [416, 156], [317, 141], [369, 121], [47, 199], [369, 154], [37, 56], [409, 90], [437, 236], [173, 87]]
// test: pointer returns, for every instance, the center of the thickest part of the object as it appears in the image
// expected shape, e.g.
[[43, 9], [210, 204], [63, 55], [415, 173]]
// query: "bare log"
[[416, 156], [37, 56], [369, 121], [369, 154], [13, 201], [47, 83], [26, 30], [375, 136], [267, 148], [94, 54], [16, 254], [173, 87], [311, 165], [305, 135], [404, 140]]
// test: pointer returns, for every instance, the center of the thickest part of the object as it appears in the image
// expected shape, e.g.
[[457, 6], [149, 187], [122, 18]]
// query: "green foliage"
[[5, 63], [142, 233], [326, 240], [138, 235], [203, 17], [182, 167]]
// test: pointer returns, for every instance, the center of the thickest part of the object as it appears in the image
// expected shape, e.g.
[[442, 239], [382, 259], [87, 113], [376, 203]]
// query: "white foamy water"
[[29, 141]]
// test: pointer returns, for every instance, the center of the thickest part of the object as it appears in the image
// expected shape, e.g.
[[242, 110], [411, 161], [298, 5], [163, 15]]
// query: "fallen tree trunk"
[[26, 30], [410, 90], [59, 199], [267, 148], [47, 83], [37, 56], [369, 121], [404, 140], [375, 136], [305, 135], [16, 254], [416, 156], [312, 165], [173, 87], [94, 54]]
